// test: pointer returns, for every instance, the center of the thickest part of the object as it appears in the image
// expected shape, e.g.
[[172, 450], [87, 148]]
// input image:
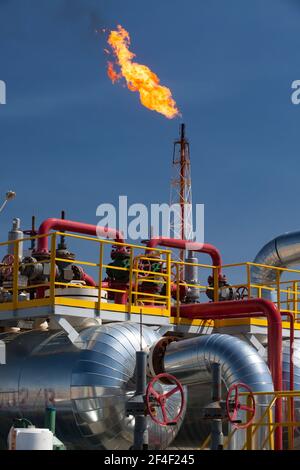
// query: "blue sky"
[[71, 140]]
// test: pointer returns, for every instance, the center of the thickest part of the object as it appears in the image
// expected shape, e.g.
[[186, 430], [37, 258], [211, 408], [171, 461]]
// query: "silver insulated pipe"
[[88, 382], [282, 252], [190, 361]]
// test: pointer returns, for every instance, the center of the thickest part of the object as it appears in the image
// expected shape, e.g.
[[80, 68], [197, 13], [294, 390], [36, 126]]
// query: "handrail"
[[288, 292], [265, 420]]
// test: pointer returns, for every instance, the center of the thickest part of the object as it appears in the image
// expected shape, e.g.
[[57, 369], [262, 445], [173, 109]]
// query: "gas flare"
[[139, 77], [113, 75]]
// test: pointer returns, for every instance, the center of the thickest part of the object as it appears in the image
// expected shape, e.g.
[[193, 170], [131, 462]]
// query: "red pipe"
[[88, 280], [77, 227], [210, 250], [244, 309], [292, 385]]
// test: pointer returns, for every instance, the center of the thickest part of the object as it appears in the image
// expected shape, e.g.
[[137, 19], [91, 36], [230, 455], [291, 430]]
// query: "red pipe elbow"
[[210, 250], [244, 309], [89, 280], [76, 227]]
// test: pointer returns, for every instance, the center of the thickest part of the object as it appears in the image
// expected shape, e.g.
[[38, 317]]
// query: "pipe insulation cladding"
[[76, 227], [191, 360], [88, 382], [281, 252]]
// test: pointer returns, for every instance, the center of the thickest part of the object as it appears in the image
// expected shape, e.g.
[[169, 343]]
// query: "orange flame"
[[113, 75], [139, 77]]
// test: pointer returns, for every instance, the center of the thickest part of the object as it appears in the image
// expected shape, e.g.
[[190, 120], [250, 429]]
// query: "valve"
[[7, 266], [233, 405], [242, 293], [155, 399], [225, 290]]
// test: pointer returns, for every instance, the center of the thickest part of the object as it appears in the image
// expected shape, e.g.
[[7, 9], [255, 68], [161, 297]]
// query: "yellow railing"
[[145, 289], [285, 293], [134, 285], [265, 422]]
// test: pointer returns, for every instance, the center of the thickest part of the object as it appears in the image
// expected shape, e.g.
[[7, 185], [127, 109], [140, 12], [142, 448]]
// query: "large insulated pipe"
[[210, 250], [281, 252], [192, 361], [246, 309], [88, 382], [77, 227]]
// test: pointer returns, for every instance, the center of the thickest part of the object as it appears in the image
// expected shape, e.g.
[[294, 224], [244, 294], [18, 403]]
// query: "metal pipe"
[[50, 419], [216, 381], [89, 384], [281, 252], [140, 426], [192, 361], [246, 309], [62, 243], [217, 438], [210, 250], [15, 234], [77, 227], [191, 277]]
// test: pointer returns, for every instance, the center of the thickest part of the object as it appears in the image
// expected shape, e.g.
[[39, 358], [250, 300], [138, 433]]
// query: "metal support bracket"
[[253, 341], [68, 328]]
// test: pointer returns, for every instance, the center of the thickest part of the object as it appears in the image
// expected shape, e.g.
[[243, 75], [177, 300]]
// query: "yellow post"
[[52, 267], [288, 298], [278, 288], [271, 426], [168, 282], [216, 284], [100, 278], [249, 281], [136, 280], [295, 288], [16, 275], [130, 279], [259, 291], [290, 420], [177, 292], [249, 431]]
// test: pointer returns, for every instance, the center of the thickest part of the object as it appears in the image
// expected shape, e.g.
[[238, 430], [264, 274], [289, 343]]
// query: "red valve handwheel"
[[144, 265], [7, 265], [154, 400], [237, 406]]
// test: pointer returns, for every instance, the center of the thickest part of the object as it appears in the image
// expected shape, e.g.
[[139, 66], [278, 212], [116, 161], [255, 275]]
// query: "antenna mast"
[[181, 190]]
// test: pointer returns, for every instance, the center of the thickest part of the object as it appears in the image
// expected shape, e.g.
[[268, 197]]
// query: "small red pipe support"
[[76, 227], [244, 309], [206, 248]]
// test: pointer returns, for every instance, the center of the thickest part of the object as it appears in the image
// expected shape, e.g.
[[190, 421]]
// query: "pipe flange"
[[41, 255], [156, 355], [78, 272]]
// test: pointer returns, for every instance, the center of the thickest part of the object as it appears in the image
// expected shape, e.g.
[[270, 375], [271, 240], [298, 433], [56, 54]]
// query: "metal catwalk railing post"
[[100, 278], [216, 284], [130, 279], [16, 275], [168, 283], [52, 268]]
